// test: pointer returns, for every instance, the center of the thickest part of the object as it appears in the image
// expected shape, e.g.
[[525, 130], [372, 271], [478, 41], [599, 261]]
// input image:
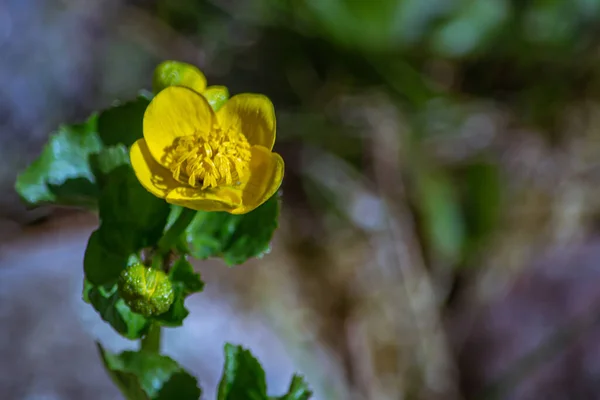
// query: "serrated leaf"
[[108, 159], [101, 265], [235, 238], [131, 217], [299, 390], [182, 273], [123, 123], [62, 173], [147, 375], [128, 383], [113, 310], [243, 376]]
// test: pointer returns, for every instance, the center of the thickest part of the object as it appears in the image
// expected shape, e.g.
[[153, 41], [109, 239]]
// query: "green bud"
[[146, 290], [216, 96], [175, 73]]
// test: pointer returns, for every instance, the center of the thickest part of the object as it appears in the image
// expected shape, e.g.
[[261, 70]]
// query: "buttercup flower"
[[199, 159]]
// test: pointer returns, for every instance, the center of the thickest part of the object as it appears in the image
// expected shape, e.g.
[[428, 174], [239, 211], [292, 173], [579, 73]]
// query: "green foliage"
[[182, 274], [101, 264], [147, 291], [441, 214], [62, 174], [131, 219], [531, 60], [136, 218], [299, 390], [122, 124], [108, 159], [243, 376], [113, 310], [468, 29], [482, 195], [235, 238], [76, 156], [145, 375], [88, 165]]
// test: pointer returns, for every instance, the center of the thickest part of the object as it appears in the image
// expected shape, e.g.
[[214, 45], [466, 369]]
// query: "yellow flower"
[[199, 159]]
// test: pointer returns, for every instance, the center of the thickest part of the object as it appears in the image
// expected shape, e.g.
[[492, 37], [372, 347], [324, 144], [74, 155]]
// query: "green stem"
[[173, 234], [151, 342]]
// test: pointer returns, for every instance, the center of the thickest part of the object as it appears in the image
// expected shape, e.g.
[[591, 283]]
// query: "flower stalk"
[[172, 235], [151, 342]]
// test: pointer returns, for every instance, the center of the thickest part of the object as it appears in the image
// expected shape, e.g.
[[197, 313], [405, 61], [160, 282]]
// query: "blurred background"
[[439, 235]]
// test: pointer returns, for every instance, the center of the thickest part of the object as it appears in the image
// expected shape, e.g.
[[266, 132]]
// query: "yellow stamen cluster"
[[211, 159]]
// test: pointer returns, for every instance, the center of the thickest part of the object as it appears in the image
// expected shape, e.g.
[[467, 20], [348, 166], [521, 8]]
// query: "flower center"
[[211, 159]]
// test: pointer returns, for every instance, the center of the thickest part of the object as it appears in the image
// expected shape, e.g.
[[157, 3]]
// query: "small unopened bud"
[[146, 290]]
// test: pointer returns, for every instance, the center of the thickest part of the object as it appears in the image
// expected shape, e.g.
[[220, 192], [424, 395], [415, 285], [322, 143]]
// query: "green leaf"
[[470, 28], [243, 376], [183, 273], [113, 310], [442, 216], [481, 195], [147, 375], [122, 124], [131, 217], [108, 159], [182, 243], [235, 238], [87, 286], [299, 390], [101, 265], [62, 174], [181, 385], [128, 383]]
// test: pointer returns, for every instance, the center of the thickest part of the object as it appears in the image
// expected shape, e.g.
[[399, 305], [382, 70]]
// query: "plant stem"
[[151, 342], [173, 234]]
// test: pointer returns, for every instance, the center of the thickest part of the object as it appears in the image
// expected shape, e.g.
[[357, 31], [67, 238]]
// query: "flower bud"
[[146, 290]]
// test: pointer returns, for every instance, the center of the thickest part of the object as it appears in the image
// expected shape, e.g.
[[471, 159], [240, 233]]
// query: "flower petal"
[[217, 199], [253, 115], [266, 174], [175, 73], [174, 112], [216, 96], [154, 177]]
